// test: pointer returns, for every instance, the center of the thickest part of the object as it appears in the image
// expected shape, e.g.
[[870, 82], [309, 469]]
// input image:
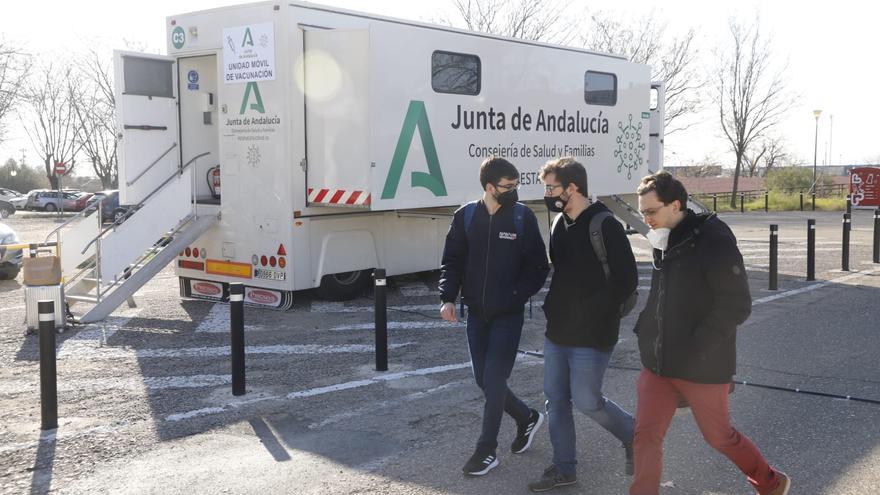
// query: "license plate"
[[264, 274]]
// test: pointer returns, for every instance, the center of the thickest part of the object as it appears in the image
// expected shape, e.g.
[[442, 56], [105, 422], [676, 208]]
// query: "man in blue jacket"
[[495, 256]]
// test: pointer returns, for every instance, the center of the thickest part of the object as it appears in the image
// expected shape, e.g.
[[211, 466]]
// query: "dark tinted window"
[[600, 88], [148, 77], [455, 73]]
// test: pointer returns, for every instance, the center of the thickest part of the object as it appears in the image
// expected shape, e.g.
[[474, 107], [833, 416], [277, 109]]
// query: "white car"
[[10, 259], [11, 200]]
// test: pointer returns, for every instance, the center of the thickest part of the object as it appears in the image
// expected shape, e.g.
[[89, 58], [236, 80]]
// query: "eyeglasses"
[[550, 187], [650, 212], [507, 187]]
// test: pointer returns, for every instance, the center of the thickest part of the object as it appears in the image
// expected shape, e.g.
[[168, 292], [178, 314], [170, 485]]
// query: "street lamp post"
[[816, 113]]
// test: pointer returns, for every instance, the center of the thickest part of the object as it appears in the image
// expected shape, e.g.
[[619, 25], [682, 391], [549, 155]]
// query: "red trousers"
[[658, 398]]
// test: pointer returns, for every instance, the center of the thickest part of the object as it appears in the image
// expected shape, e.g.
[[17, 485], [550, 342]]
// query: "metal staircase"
[[105, 266], [621, 206]]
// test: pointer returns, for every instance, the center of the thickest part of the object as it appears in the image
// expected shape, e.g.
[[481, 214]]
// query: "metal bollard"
[[802, 201], [714, 201], [811, 250], [236, 323], [742, 202], [381, 315], [814, 200], [849, 204], [774, 252], [48, 373], [847, 225], [766, 201], [877, 235]]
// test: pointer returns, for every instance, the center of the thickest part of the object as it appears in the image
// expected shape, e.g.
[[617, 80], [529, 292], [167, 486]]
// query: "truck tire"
[[343, 286]]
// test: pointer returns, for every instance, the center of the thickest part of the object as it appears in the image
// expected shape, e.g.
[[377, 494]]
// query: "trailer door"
[[658, 115], [147, 123]]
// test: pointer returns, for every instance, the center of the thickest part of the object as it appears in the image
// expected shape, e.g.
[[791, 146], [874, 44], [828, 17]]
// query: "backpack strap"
[[598, 241]]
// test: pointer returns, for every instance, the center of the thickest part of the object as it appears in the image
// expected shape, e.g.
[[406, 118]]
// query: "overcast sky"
[[830, 48]]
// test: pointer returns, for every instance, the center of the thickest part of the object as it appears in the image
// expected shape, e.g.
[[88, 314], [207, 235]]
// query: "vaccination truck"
[[291, 146]]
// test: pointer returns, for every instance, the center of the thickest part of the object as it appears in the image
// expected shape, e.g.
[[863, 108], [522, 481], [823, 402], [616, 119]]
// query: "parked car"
[[10, 200], [47, 200], [111, 210], [78, 202], [10, 259]]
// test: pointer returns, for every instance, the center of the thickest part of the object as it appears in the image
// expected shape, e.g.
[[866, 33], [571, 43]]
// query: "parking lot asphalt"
[[145, 404]]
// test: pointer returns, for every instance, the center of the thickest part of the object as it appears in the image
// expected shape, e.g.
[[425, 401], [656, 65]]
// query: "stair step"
[[82, 298]]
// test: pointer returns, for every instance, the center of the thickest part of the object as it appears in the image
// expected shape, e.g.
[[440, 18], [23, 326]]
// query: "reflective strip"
[[47, 316], [236, 297], [380, 282]]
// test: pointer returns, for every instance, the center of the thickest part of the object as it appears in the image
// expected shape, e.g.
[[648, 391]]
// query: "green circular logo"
[[178, 37]]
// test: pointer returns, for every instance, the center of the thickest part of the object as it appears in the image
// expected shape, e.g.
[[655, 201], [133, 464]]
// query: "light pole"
[[816, 113]]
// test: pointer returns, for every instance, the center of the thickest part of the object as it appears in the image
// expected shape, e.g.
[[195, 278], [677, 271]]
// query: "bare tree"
[[94, 104], [673, 58], [751, 93], [51, 120], [538, 20], [13, 73], [752, 160], [776, 154]]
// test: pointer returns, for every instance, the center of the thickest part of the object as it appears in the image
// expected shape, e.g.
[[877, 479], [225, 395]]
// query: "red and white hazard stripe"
[[339, 197]]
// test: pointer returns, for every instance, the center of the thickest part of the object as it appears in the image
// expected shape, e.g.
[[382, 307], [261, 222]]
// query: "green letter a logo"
[[248, 38], [258, 105], [416, 117]]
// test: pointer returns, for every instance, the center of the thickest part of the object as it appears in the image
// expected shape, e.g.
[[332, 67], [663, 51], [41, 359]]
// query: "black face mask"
[[555, 203], [507, 198]]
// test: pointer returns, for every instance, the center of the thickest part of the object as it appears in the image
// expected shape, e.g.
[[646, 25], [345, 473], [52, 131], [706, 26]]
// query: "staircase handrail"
[[131, 211], [132, 181]]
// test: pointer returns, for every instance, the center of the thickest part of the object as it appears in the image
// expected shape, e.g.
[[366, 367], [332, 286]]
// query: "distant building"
[[681, 171]]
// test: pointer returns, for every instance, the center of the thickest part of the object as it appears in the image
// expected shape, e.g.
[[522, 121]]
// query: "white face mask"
[[659, 238]]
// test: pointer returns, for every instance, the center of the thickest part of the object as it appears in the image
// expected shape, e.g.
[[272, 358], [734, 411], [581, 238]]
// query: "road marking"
[[320, 390], [119, 352], [217, 321], [119, 383], [403, 325], [812, 287], [323, 307]]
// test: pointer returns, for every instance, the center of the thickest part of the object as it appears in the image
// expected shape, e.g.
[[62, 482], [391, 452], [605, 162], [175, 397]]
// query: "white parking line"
[[403, 325], [217, 321], [119, 383], [812, 287], [119, 352]]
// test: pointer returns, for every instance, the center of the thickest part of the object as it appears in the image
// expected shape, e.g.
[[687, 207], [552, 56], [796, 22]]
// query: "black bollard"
[[814, 200], [381, 316], [849, 204], [236, 324], [742, 202], [847, 224], [48, 373], [877, 235], [774, 251], [802, 201], [715, 202], [766, 201], [811, 250]]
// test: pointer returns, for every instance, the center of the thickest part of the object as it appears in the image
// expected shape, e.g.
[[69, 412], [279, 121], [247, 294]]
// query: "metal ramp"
[[622, 207]]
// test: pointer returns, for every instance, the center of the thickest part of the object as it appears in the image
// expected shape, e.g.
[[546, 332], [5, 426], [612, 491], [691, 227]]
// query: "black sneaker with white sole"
[[480, 463], [526, 432]]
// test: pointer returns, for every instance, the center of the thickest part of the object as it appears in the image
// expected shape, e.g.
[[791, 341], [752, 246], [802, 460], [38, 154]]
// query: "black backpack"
[[598, 242]]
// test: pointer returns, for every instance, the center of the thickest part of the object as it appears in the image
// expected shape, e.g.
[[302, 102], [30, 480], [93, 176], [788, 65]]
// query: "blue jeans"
[[574, 375], [493, 347]]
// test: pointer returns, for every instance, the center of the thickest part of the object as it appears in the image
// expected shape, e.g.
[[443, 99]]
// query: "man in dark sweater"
[[583, 318], [495, 256], [687, 335]]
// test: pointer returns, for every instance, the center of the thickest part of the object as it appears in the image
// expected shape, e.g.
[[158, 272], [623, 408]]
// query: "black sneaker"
[[630, 466], [525, 433], [480, 463], [551, 479]]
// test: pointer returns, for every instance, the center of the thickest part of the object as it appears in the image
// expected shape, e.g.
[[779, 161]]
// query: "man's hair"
[[567, 171], [493, 169], [667, 187]]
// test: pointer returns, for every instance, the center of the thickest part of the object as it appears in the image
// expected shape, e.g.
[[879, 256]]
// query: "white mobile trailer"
[[345, 140]]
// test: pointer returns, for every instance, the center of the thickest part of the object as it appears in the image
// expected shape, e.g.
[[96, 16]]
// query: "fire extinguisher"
[[214, 181]]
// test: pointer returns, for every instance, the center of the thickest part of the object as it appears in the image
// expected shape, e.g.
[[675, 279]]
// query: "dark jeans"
[[493, 347]]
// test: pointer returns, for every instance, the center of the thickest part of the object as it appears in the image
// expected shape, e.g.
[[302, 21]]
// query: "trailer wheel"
[[343, 286]]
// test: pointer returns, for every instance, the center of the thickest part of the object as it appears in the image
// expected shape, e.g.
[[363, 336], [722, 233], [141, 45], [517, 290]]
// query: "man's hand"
[[447, 312]]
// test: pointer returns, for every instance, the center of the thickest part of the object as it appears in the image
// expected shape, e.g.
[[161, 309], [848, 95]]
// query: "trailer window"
[[455, 73], [148, 77], [655, 99], [600, 88]]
